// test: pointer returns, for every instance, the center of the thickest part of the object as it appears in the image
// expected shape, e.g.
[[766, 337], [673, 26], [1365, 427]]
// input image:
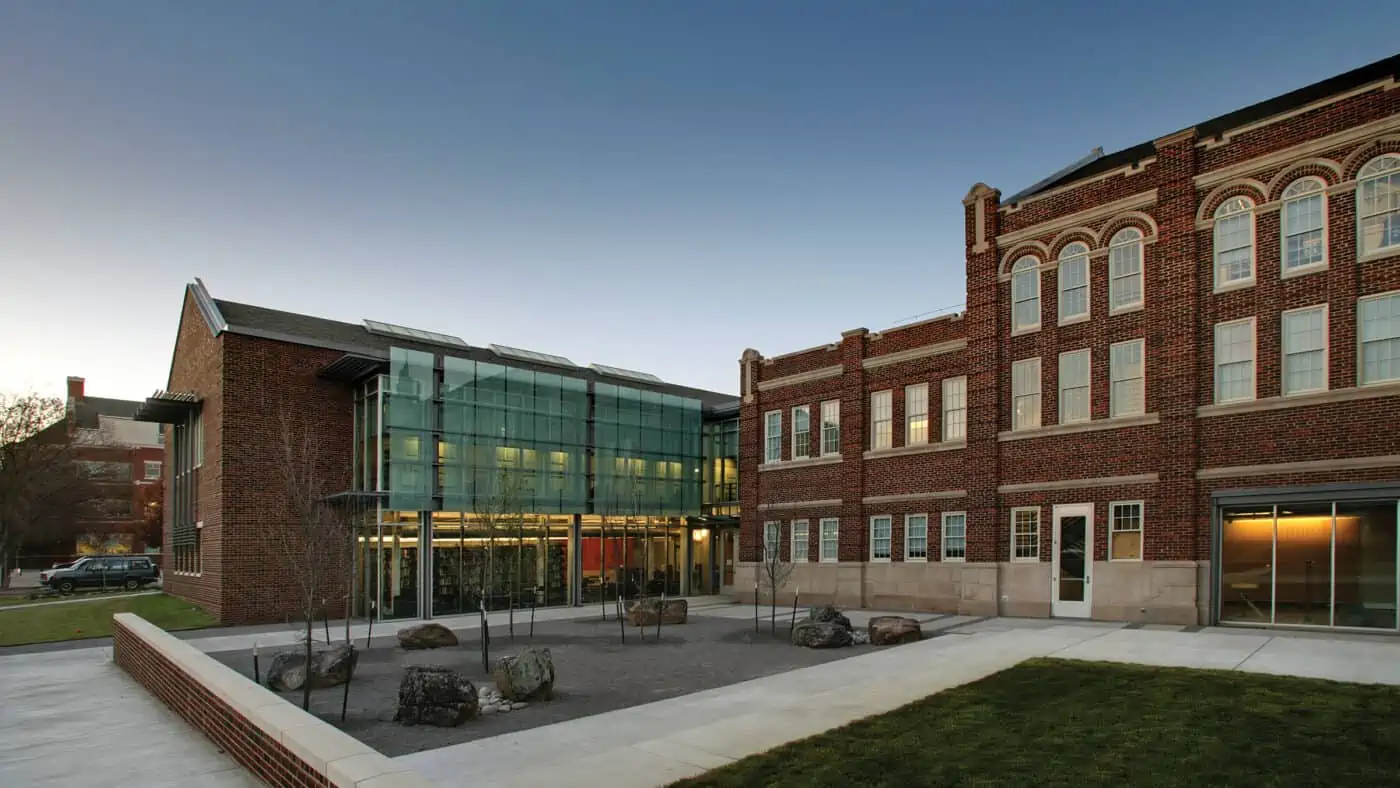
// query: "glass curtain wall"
[[721, 482], [1310, 564]]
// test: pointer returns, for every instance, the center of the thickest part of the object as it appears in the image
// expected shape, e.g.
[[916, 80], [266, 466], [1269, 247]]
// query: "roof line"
[[207, 308], [1093, 156]]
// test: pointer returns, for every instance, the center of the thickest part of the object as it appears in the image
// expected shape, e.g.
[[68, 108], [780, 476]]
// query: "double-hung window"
[[954, 536], [831, 427], [1073, 276], [800, 530], [772, 540], [830, 534], [1304, 219], [1378, 329], [1305, 350], [915, 537], [1127, 393], [801, 432], [1025, 394], [1074, 386], [1125, 270], [773, 436], [1234, 242], [881, 538], [1025, 295], [1378, 205], [1025, 534], [954, 409], [1125, 531], [1234, 360], [916, 414], [881, 420]]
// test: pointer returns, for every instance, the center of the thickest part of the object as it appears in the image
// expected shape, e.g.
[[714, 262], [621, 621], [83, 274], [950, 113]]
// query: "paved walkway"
[[75, 719], [660, 742]]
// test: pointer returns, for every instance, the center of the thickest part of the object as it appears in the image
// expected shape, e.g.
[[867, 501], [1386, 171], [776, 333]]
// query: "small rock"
[[432, 695], [860, 637], [517, 706], [503, 709], [828, 613], [643, 612], [488, 710], [892, 630], [821, 634], [528, 675], [426, 636]]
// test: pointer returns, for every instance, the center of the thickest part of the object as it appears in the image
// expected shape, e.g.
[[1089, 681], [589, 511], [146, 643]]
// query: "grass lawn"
[[23, 599], [1065, 723], [49, 623]]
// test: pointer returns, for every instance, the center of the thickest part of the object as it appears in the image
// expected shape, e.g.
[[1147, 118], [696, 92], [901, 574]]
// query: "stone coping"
[[343, 760]]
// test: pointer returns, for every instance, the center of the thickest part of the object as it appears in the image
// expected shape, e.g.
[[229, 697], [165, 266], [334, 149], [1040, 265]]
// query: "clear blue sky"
[[655, 185]]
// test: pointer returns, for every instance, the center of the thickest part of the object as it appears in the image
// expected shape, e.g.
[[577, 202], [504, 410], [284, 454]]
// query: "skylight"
[[418, 335], [531, 355], [630, 374]]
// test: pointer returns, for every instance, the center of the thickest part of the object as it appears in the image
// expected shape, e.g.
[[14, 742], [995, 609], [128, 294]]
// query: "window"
[[1305, 350], [801, 432], [1379, 333], [1127, 394], [773, 436], [915, 537], [1125, 531], [1125, 270], [1025, 534], [1074, 282], [831, 427], [1234, 360], [1025, 394], [830, 526], [881, 536], [881, 420], [1074, 386], [152, 469], [1025, 294], [800, 530], [1378, 205], [1304, 219], [772, 534], [954, 536], [916, 414], [955, 409], [1234, 242]]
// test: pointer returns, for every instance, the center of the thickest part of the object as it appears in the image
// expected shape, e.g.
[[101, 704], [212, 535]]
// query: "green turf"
[[1067, 723], [49, 623]]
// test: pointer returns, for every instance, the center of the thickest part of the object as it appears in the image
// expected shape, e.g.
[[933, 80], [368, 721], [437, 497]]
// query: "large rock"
[[330, 666], [643, 612], [892, 630], [432, 695], [426, 636], [820, 634], [528, 675], [828, 613]]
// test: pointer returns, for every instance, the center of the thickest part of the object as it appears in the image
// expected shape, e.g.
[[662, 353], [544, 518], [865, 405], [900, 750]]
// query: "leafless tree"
[[773, 570], [318, 541], [42, 491], [501, 511]]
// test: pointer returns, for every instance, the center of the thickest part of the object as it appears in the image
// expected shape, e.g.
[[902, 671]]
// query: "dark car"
[[129, 572]]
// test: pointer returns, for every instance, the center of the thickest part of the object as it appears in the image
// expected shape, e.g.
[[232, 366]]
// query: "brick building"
[[487, 475], [1172, 395]]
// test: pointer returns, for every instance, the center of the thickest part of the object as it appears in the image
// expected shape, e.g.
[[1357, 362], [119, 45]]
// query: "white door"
[[1071, 573]]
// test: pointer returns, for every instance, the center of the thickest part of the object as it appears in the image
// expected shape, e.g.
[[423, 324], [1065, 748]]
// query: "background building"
[[1171, 396], [491, 471]]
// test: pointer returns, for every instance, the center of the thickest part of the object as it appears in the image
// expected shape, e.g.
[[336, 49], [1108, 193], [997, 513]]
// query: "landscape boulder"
[[820, 634], [426, 636], [892, 630], [643, 612], [828, 613], [528, 675], [330, 666], [433, 695]]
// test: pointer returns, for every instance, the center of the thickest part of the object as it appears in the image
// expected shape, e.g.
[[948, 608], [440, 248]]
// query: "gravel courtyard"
[[594, 673]]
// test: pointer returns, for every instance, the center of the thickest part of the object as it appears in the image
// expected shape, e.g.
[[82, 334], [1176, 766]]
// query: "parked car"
[[45, 574], [129, 572]]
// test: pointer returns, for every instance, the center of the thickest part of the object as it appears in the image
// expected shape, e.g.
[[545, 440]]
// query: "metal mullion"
[[1273, 574], [1332, 598]]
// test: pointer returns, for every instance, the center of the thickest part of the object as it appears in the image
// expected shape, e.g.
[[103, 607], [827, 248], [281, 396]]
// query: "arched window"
[[1025, 294], [1073, 277], [1304, 226], [1125, 269], [1378, 205], [1234, 242]]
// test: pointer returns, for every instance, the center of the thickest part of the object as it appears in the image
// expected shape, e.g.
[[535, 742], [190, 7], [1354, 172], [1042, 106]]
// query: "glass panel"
[[398, 566], [1246, 564], [1073, 531], [1303, 557], [1366, 544]]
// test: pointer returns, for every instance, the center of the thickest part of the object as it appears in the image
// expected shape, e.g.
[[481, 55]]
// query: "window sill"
[[1129, 309], [879, 560], [954, 560], [914, 561], [1366, 391], [1379, 254], [1316, 268], [922, 448], [829, 561], [1016, 332], [1125, 560], [1075, 320], [1035, 560], [1121, 422], [807, 463], [1243, 284]]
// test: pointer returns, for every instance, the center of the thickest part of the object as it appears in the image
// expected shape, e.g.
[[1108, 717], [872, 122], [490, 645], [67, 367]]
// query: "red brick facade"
[[1172, 455]]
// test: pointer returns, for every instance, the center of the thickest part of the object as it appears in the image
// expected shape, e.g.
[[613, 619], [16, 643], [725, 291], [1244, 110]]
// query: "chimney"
[[75, 387]]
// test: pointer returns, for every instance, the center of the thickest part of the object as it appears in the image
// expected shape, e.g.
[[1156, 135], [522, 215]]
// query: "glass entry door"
[[1071, 574]]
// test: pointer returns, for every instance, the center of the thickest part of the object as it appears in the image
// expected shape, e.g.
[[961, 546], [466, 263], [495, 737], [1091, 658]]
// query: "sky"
[[650, 184]]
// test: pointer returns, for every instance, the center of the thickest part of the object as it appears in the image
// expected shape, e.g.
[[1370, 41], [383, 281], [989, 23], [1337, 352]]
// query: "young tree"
[[501, 510], [773, 570], [42, 491]]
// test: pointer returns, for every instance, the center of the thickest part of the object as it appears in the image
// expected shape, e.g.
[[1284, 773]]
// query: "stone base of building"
[[1152, 592]]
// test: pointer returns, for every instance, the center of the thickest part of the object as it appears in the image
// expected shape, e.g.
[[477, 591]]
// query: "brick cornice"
[[801, 377], [913, 354]]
